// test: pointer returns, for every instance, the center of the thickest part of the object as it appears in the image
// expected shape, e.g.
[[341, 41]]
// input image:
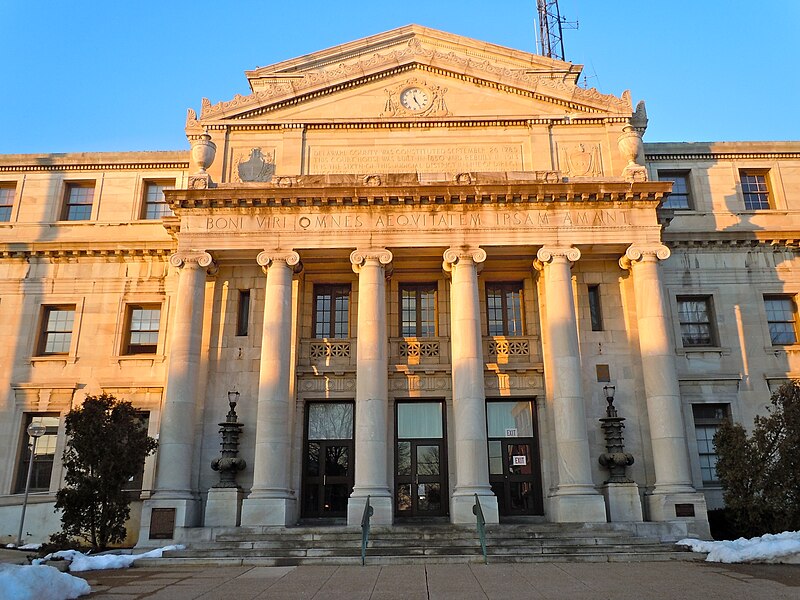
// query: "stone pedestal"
[[689, 507], [622, 502], [223, 507], [372, 390], [271, 501]]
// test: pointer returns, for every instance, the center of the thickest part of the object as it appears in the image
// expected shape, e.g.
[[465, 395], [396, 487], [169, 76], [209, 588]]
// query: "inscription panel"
[[326, 160]]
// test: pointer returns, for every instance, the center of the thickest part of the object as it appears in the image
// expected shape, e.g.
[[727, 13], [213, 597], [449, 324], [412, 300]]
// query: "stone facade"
[[419, 258]]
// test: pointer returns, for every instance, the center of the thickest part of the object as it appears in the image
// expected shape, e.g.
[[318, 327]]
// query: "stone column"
[[575, 498], [372, 390], [271, 500], [673, 483], [469, 397], [177, 431]]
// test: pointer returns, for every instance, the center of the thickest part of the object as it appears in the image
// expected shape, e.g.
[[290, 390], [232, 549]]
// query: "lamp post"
[[229, 463], [615, 459], [35, 430]]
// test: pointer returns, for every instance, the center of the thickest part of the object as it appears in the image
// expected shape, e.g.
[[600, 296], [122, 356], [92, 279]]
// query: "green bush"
[[760, 473]]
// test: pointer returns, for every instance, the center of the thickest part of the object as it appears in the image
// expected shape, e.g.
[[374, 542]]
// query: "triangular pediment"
[[455, 77]]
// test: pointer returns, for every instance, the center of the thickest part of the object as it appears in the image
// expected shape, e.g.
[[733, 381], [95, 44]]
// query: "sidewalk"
[[576, 581]]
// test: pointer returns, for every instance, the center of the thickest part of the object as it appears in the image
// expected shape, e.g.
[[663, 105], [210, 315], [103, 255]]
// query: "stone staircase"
[[416, 544]]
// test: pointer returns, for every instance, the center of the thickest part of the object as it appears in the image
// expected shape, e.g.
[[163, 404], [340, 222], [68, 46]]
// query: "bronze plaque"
[[603, 373], [162, 524], [684, 510]]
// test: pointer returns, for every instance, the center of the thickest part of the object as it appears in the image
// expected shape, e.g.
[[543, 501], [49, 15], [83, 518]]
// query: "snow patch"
[[98, 562], [39, 582], [770, 548]]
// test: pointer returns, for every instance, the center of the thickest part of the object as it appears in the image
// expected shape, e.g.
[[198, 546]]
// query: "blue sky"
[[107, 76]]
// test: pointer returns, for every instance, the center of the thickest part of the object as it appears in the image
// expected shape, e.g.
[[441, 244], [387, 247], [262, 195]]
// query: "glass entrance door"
[[420, 462], [514, 466], [328, 459]]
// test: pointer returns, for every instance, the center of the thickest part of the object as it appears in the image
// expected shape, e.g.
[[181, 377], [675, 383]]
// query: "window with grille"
[[243, 313], [755, 190], [782, 319], [6, 201], [43, 457], [155, 206], [504, 308], [680, 198], [78, 201], [56, 333], [418, 310], [707, 420], [696, 320], [331, 311], [595, 311], [142, 330]]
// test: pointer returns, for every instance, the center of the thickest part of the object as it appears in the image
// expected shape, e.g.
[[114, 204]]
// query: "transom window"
[[143, 325], [155, 206], [78, 204], [680, 197], [695, 316], [331, 311], [418, 310], [56, 334], [707, 420], [782, 319], [6, 201], [755, 190], [504, 308]]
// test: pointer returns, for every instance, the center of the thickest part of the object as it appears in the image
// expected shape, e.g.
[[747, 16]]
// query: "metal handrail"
[[481, 524], [368, 512]]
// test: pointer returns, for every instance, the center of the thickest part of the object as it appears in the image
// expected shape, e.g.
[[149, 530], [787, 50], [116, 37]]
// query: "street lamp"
[[35, 430], [229, 463], [610, 410]]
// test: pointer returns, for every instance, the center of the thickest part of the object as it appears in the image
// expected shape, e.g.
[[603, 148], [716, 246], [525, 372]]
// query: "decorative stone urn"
[[632, 148], [203, 153]]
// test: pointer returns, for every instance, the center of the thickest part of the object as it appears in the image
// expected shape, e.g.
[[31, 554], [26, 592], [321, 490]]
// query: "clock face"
[[415, 98]]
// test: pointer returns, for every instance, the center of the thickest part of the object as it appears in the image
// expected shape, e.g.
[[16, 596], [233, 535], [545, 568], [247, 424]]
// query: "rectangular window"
[[504, 308], [418, 310], [154, 206], [595, 311], [142, 329], [680, 198], [243, 313], [755, 190], [56, 334], [782, 319], [43, 456], [331, 311], [707, 419], [78, 202], [696, 321], [6, 201], [134, 485]]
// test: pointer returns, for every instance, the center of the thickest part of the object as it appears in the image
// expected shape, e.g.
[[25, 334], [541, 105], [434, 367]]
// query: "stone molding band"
[[638, 252]]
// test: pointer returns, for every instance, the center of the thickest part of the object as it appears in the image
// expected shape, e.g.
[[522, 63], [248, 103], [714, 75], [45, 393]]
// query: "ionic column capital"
[[454, 256], [643, 252], [288, 257], [548, 254], [193, 258], [360, 257]]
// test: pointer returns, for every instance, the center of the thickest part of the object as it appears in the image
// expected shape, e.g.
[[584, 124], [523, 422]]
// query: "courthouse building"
[[419, 259]]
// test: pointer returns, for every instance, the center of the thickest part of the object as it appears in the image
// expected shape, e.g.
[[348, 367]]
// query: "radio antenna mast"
[[551, 25]]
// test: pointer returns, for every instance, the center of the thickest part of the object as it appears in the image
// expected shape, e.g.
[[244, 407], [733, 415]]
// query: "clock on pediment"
[[415, 98]]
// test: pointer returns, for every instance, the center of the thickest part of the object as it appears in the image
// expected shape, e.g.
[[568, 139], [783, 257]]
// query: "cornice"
[[75, 253], [772, 240], [722, 156], [323, 191], [151, 166]]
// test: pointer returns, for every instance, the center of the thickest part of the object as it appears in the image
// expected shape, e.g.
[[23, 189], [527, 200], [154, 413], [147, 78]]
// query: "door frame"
[[444, 478]]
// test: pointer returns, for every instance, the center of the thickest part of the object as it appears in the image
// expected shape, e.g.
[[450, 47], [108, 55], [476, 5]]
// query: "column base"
[[382, 514], [577, 507], [622, 502], [174, 516], [461, 509], [223, 507], [269, 512], [688, 507]]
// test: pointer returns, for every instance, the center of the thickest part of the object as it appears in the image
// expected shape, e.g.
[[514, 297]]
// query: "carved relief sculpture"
[[255, 167], [415, 98], [580, 160]]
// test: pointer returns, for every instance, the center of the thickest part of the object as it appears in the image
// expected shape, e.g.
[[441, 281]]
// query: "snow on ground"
[[770, 548], [39, 582], [97, 562]]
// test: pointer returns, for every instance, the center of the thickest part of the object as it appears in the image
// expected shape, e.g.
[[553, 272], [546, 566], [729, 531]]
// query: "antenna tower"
[[551, 23]]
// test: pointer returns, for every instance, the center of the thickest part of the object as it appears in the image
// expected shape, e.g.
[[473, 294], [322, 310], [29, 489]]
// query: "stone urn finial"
[[632, 149], [203, 152]]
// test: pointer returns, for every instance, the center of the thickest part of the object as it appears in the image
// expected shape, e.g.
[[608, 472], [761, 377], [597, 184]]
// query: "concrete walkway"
[[573, 581]]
